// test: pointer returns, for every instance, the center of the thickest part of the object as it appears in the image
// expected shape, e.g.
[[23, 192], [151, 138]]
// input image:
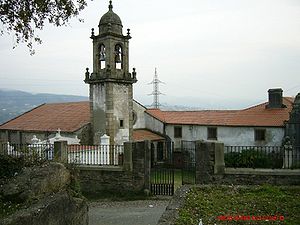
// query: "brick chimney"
[[275, 99]]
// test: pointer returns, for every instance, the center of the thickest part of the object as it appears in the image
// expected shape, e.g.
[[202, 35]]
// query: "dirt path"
[[142, 212]]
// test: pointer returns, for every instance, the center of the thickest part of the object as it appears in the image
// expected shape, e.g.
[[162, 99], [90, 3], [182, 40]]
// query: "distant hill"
[[14, 103]]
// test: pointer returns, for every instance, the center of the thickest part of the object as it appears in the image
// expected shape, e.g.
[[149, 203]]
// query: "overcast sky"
[[208, 52]]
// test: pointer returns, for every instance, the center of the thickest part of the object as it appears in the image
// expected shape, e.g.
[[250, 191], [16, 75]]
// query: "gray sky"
[[210, 53]]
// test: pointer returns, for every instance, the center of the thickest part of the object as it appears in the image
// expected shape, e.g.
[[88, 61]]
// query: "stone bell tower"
[[111, 95]]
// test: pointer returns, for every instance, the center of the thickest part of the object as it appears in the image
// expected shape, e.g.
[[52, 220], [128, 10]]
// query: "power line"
[[156, 91]]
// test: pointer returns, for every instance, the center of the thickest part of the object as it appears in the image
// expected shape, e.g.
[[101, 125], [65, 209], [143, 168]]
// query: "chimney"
[[275, 99]]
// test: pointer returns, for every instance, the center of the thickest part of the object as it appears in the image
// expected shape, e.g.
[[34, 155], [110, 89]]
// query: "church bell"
[[102, 57], [118, 58]]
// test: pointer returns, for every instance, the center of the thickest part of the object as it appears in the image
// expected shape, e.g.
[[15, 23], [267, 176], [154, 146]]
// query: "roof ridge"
[[22, 114], [254, 106], [56, 103], [202, 110], [140, 104]]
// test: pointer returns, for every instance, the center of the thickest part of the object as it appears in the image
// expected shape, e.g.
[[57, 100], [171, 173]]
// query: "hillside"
[[14, 103]]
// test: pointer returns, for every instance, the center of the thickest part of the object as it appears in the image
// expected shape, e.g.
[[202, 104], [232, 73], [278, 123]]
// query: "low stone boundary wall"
[[95, 179], [210, 169], [133, 176], [261, 176]]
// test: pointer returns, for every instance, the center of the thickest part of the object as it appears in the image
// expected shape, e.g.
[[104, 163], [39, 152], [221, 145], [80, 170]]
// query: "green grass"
[[209, 202]]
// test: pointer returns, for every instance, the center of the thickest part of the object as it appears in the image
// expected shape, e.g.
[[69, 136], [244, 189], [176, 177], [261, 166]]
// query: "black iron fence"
[[275, 157], [102, 155], [29, 152]]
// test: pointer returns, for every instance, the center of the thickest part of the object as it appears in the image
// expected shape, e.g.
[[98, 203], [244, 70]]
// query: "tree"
[[23, 17]]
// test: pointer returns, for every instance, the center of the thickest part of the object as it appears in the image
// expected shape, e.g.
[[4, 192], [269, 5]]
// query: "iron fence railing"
[[32, 152], [101, 155], [274, 157]]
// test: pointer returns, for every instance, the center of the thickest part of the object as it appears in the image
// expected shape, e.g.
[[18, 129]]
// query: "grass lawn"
[[211, 202]]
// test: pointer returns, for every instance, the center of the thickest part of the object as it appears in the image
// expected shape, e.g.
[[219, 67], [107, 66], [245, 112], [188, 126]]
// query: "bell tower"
[[111, 94]]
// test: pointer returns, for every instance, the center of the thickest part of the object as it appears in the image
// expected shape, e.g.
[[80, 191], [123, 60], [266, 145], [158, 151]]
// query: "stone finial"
[[133, 73], [128, 33], [87, 74], [110, 7], [93, 33]]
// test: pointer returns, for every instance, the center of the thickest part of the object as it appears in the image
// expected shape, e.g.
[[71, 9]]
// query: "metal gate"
[[188, 171], [162, 168]]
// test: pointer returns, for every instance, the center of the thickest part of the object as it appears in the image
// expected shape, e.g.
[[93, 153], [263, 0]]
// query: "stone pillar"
[[147, 163], [107, 150], [60, 151], [288, 155], [127, 165], [219, 158], [141, 165], [104, 140], [204, 166], [209, 161]]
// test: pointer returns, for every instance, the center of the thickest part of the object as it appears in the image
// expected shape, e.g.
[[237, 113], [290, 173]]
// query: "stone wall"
[[256, 179], [134, 175], [210, 169]]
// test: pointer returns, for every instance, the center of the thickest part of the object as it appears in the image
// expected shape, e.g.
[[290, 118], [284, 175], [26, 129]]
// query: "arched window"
[[102, 56], [118, 57]]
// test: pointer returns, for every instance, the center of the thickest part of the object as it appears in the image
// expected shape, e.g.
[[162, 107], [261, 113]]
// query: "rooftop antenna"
[[156, 91]]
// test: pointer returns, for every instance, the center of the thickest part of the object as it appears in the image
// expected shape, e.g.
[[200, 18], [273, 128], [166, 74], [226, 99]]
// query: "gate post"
[[219, 158], [209, 161], [127, 156], [204, 169], [60, 151], [147, 163]]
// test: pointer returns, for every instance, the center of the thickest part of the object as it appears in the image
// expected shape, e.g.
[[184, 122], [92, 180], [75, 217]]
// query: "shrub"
[[10, 165], [252, 158]]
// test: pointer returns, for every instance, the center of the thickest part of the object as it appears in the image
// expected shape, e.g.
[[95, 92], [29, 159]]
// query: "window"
[[260, 135], [177, 132], [121, 123], [212, 133]]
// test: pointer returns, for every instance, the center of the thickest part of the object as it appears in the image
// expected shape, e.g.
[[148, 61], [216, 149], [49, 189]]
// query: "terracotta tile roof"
[[69, 117], [254, 116], [143, 134]]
